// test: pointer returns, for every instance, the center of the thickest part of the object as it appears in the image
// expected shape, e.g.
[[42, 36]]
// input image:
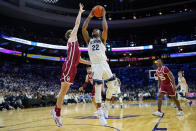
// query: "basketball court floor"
[[136, 116]]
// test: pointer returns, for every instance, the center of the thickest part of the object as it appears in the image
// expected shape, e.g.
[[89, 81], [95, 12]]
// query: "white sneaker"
[[101, 117], [95, 113], [180, 113], [157, 113], [105, 111], [56, 118]]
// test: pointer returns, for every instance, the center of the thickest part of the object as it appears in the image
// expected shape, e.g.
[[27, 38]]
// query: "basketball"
[[98, 11]]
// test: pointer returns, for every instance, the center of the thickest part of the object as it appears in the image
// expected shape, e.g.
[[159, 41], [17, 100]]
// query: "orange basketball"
[[98, 11]]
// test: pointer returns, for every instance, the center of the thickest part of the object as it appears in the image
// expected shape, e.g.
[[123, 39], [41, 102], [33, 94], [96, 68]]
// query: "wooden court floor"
[[134, 117]]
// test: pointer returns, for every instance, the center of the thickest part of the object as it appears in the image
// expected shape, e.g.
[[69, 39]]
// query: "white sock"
[[120, 99]]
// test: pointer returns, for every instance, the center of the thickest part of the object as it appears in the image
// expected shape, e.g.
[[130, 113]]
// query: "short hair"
[[67, 34], [181, 72]]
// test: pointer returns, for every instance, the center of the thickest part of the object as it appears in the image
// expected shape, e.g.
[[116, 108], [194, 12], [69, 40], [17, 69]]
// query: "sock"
[[179, 109], [58, 111], [159, 110]]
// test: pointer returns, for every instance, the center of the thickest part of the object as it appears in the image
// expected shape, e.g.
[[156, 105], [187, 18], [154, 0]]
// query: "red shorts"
[[167, 89], [68, 73], [93, 91]]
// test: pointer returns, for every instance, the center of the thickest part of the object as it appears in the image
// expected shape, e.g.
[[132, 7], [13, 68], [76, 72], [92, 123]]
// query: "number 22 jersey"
[[96, 51]]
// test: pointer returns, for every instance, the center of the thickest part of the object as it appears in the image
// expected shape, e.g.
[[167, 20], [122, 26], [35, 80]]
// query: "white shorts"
[[101, 71], [116, 91]]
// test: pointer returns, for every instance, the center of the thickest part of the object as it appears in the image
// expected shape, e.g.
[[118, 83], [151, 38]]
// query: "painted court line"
[[156, 126]]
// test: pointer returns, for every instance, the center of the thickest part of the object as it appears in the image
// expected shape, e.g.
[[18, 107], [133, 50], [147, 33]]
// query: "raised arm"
[[85, 84], [74, 32], [85, 26], [105, 27]]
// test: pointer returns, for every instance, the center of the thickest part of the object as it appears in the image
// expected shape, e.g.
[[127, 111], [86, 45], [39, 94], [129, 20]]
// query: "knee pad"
[[98, 93], [95, 81]]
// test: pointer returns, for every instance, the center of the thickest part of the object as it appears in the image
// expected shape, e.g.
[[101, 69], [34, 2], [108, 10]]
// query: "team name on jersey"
[[95, 41]]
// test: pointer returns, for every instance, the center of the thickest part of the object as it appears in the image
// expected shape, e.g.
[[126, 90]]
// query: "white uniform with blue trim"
[[117, 87], [100, 67], [182, 85]]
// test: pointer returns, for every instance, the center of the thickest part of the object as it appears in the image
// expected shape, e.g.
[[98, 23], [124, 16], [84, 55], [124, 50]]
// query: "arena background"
[[33, 47]]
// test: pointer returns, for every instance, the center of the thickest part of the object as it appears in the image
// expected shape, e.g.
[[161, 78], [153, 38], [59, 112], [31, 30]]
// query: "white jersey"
[[116, 83], [96, 51], [182, 85], [117, 87]]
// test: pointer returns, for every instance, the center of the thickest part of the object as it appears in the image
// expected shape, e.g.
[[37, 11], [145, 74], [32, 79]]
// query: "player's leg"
[[64, 88], [120, 100], [180, 113], [97, 81], [56, 113], [172, 94], [158, 113], [109, 80], [113, 97], [183, 97], [93, 97], [93, 101], [100, 113]]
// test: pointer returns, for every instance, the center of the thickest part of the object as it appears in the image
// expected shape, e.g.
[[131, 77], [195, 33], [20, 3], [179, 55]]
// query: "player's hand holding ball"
[[98, 11]]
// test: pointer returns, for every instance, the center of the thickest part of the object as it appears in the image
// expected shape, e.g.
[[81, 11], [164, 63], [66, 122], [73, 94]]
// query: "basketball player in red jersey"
[[69, 68], [89, 78], [166, 83]]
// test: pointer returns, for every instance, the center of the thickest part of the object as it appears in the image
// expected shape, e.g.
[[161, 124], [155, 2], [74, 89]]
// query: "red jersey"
[[73, 53], [69, 68], [162, 74], [90, 78]]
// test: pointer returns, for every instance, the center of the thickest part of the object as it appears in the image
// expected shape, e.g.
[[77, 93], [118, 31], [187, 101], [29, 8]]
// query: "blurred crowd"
[[24, 85], [116, 38]]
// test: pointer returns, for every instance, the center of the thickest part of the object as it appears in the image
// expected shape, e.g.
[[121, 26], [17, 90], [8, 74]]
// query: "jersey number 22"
[[95, 47]]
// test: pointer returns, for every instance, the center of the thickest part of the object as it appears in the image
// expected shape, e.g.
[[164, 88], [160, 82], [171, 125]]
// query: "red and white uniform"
[[69, 68], [166, 83], [91, 81]]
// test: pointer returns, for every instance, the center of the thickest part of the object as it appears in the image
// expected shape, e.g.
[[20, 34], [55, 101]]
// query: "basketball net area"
[[152, 74]]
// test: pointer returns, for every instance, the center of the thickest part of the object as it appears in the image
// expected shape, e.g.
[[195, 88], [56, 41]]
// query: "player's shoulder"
[[72, 39], [166, 69]]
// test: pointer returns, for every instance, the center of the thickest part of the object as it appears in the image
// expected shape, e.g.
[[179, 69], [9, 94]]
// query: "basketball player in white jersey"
[[117, 92], [100, 67], [183, 88]]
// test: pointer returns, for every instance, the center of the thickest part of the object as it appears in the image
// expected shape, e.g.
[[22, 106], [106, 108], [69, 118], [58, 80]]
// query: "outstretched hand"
[[81, 8]]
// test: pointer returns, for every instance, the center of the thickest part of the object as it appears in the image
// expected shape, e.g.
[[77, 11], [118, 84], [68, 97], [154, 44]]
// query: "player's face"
[[96, 33], [159, 63], [180, 74], [89, 70]]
